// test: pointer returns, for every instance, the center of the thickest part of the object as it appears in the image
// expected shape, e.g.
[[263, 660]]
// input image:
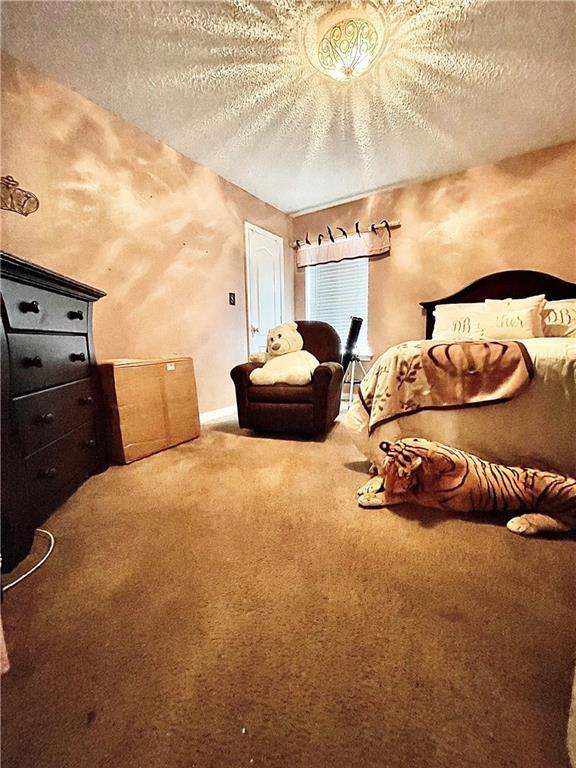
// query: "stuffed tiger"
[[435, 475]]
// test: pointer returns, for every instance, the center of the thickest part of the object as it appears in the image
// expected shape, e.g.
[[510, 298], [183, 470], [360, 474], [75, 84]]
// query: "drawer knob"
[[78, 357], [86, 400], [46, 418], [76, 314], [89, 443], [32, 362], [48, 472], [30, 306]]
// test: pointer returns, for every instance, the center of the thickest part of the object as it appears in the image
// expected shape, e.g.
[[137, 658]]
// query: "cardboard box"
[[150, 405]]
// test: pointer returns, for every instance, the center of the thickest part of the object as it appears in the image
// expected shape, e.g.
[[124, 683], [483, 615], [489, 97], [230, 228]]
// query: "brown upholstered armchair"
[[309, 409]]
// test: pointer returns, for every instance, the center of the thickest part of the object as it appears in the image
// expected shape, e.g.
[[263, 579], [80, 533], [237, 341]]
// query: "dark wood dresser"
[[51, 426]]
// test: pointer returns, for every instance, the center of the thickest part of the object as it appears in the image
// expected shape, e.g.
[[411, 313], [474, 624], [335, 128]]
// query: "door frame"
[[248, 227]]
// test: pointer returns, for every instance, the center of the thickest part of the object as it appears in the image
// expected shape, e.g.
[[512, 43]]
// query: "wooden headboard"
[[509, 284]]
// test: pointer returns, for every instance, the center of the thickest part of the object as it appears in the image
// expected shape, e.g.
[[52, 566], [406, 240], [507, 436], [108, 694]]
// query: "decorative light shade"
[[348, 49], [348, 40]]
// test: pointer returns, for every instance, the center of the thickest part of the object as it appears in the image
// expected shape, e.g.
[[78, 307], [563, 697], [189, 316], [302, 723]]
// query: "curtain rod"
[[384, 225]]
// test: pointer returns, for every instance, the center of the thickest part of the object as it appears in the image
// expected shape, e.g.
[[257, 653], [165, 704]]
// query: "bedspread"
[[425, 375], [534, 429]]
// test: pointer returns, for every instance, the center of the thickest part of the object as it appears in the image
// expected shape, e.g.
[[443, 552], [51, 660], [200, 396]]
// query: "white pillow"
[[559, 317], [529, 301], [456, 322], [504, 316], [514, 323]]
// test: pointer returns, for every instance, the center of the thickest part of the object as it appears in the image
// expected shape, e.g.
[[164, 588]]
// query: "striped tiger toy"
[[435, 475]]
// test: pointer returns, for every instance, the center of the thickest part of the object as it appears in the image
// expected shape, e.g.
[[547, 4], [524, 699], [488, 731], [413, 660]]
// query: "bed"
[[534, 428]]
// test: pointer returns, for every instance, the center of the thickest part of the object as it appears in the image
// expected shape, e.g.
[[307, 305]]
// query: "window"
[[335, 293]]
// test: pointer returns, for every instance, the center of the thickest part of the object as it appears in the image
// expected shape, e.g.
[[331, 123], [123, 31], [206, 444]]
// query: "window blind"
[[335, 293]]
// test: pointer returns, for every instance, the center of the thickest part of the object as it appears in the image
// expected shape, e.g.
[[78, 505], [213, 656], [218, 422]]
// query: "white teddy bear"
[[285, 362]]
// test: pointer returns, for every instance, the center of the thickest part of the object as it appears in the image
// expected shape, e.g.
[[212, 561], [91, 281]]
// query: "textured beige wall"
[[162, 235], [517, 214]]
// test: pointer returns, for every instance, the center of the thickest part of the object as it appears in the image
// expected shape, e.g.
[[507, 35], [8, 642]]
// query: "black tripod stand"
[[350, 376]]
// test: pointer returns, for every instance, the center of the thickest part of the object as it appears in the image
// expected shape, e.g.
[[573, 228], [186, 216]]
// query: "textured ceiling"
[[229, 84]]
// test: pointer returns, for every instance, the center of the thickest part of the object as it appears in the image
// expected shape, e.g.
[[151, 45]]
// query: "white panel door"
[[265, 288]]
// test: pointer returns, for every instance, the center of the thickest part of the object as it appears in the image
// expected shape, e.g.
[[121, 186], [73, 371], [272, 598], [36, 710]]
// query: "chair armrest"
[[240, 374], [327, 384], [327, 381], [326, 372]]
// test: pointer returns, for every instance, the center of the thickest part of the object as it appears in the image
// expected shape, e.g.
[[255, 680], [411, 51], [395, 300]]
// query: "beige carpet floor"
[[227, 604]]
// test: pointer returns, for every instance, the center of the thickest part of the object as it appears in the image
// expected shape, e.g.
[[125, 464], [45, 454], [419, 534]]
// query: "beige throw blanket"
[[424, 375]]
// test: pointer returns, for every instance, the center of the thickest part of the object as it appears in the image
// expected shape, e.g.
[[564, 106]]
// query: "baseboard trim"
[[221, 413]]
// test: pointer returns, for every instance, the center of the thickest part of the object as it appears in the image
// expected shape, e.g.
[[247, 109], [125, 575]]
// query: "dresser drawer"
[[39, 360], [72, 457], [34, 309], [45, 416]]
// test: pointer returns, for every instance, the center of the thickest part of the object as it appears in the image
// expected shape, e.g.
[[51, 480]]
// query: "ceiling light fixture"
[[348, 40]]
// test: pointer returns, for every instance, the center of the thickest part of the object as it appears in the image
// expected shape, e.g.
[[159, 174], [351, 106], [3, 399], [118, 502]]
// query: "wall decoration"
[[14, 198]]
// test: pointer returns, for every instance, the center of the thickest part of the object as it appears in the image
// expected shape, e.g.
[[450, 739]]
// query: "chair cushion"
[[281, 393]]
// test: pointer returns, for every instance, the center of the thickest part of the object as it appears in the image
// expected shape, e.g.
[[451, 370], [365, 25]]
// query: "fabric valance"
[[375, 242]]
